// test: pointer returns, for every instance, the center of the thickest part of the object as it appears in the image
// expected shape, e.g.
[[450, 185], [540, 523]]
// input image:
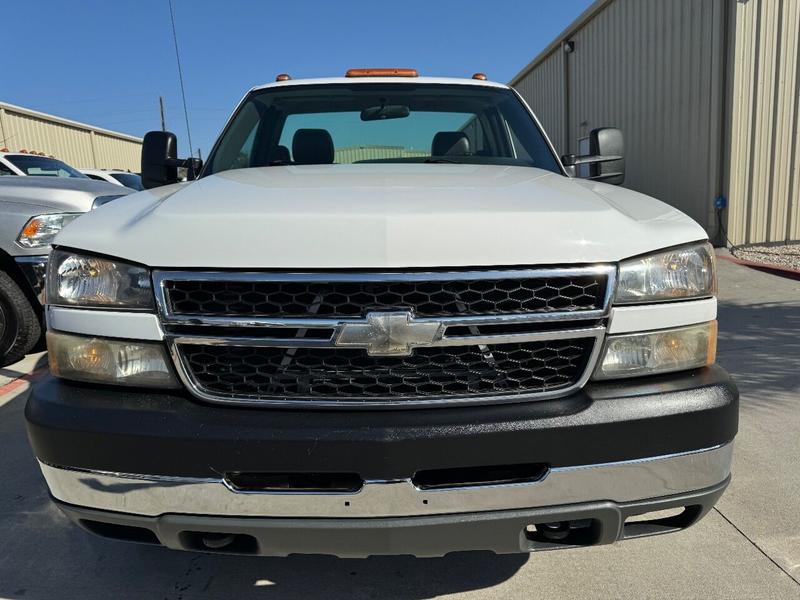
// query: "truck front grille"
[[384, 339], [352, 375], [356, 298]]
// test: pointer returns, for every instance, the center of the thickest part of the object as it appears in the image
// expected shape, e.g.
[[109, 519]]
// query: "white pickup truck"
[[383, 319]]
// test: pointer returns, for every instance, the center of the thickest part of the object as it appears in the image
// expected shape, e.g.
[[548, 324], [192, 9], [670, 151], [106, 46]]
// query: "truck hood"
[[59, 194], [380, 216]]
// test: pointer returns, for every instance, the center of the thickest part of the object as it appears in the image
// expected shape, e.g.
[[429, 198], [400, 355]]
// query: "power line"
[[180, 77]]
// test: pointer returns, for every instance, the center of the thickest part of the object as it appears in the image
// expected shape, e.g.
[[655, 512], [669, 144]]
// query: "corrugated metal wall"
[[117, 153], [77, 144], [543, 90], [764, 159], [353, 154], [653, 68]]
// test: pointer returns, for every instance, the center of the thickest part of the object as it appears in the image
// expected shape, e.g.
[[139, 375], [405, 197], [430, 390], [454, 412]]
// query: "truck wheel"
[[19, 325]]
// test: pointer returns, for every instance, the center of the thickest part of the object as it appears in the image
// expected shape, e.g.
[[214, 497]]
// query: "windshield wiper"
[[442, 160]]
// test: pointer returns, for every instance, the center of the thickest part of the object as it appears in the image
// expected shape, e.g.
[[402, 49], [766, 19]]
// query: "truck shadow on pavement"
[[759, 344], [45, 556], [14, 372]]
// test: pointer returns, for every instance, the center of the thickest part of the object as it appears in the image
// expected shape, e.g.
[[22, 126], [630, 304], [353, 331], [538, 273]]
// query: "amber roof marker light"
[[481, 76], [283, 77], [381, 73]]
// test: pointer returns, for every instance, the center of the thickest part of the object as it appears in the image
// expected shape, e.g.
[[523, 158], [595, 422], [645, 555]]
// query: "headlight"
[[652, 352], [81, 280], [41, 231], [686, 272], [118, 362]]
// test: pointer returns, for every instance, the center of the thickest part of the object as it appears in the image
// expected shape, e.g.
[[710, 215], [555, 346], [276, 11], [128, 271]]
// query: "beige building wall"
[[78, 144], [353, 154], [543, 89], [655, 69], [763, 179]]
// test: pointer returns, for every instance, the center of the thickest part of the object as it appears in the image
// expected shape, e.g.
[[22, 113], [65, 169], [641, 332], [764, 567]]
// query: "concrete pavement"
[[748, 548]]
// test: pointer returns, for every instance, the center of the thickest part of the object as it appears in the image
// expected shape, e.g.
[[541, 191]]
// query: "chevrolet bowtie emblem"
[[389, 333]]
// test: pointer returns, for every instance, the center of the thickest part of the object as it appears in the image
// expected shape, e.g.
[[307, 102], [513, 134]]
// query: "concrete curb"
[[20, 381], [767, 267]]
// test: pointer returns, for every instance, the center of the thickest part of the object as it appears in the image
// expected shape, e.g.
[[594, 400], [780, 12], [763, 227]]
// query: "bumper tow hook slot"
[[555, 531], [217, 540]]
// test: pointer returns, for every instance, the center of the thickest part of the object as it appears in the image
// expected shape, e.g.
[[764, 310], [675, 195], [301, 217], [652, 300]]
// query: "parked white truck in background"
[[123, 178], [383, 320], [35, 164]]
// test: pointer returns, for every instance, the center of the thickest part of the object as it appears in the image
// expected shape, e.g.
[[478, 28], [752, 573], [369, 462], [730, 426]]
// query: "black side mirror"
[[608, 143], [160, 160], [193, 168], [606, 158]]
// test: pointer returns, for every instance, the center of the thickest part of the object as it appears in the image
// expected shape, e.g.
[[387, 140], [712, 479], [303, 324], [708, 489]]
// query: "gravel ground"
[[787, 255]]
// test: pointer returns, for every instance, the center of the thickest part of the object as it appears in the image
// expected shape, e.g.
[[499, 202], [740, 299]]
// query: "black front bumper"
[[171, 434], [33, 268]]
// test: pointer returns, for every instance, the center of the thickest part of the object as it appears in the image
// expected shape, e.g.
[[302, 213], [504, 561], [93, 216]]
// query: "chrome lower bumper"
[[617, 482]]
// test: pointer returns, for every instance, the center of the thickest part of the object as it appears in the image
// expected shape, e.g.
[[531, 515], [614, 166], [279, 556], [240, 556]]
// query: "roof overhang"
[[13, 108], [571, 29]]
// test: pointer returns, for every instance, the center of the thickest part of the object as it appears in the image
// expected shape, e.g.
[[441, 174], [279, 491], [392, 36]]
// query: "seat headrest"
[[450, 143], [312, 147], [280, 155]]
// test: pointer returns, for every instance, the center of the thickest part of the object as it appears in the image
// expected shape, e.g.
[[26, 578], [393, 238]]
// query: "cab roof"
[[369, 80]]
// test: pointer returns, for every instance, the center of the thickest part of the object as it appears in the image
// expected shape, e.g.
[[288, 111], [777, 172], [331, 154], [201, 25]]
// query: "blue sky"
[[106, 63]]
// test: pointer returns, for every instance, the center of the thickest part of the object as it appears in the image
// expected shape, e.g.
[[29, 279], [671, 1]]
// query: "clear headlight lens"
[[40, 231], [652, 352], [80, 280], [686, 272], [117, 362]]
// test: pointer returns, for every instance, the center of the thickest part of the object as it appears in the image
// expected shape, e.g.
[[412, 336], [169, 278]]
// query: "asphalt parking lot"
[[749, 547]]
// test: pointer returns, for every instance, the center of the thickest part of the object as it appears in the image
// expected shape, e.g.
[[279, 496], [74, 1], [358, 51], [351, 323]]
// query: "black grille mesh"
[[348, 299], [354, 376]]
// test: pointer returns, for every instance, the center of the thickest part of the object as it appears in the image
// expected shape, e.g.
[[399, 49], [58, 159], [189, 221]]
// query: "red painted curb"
[[769, 268], [20, 381]]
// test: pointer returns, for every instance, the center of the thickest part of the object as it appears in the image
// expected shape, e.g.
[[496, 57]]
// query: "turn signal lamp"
[[381, 73], [32, 228], [661, 351], [102, 360]]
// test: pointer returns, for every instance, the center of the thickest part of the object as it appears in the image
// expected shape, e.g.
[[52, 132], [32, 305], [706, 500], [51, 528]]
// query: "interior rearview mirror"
[[380, 113]]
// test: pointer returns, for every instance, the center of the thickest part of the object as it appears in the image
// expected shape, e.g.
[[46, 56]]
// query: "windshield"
[[41, 165], [131, 180], [386, 123]]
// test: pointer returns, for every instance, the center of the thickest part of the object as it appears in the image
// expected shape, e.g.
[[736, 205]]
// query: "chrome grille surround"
[[260, 331]]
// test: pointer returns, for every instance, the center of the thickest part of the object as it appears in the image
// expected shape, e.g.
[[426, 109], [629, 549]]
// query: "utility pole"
[[161, 105]]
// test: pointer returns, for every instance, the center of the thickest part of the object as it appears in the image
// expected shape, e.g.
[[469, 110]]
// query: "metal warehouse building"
[[77, 144], [707, 93]]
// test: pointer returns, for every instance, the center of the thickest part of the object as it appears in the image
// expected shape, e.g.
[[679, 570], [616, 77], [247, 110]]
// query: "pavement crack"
[[757, 547]]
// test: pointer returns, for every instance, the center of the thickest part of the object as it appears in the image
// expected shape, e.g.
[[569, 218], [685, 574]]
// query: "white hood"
[[380, 216]]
